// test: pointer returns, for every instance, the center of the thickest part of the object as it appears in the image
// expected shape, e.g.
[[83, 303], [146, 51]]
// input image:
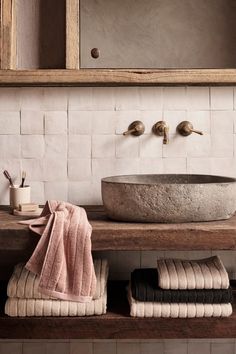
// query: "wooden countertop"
[[113, 235]]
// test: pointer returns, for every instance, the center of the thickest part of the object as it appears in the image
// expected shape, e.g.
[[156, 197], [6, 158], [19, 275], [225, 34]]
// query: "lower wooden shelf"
[[116, 324]]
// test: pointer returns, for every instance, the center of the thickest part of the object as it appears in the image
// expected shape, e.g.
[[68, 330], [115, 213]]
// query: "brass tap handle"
[[185, 128], [161, 128], [136, 128]]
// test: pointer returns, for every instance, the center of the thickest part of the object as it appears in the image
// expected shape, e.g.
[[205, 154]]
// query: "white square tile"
[[9, 99], [32, 146], [199, 347], [151, 98], [9, 122], [175, 98], [10, 348], [174, 165], [127, 261], [34, 347], [198, 98], [151, 146], [103, 122], [152, 348], [222, 145], [201, 120], [128, 348], [91, 98], [55, 99], [222, 121], [173, 118], [79, 169], [127, 98], [219, 348], [32, 122], [199, 165], [177, 146], [33, 168], [56, 122], [80, 122], [56, 190], [149, 258], [58, 348], [104, 348], [103, 146], [31, 98], [37, 192], [223, 166], [54, 169], [81, 348], [221, 98], [9, 146], [127, 146], [198, 145], [80, 193], [124, 119], [103, 168], [56, 146], [174, 348], [126, 166], [79, 146], [151, 165]]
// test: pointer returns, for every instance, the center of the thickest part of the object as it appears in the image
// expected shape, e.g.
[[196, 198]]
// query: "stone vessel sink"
[[169, 198]]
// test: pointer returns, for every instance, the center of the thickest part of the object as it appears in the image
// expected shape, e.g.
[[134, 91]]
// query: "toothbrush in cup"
[[23, 176], [7, 175]]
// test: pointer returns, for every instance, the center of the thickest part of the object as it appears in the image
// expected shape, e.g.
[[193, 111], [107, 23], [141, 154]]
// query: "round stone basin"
[[169, 198]]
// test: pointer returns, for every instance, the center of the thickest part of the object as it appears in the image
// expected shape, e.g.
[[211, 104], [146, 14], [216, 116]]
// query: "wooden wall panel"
[[8, 48], [72, 34]]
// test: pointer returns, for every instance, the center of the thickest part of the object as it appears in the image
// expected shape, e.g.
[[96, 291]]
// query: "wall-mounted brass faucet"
[[136, 128], [185, 128], [162, 129]]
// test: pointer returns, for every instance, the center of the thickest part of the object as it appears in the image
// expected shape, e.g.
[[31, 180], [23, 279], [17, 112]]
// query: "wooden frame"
[[74, 76]]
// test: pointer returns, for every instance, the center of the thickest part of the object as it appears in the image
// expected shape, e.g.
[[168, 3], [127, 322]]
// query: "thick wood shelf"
[[112, 235], [116, 324], [102, 77]]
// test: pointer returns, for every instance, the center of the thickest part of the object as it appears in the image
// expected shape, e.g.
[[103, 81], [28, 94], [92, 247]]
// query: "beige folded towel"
[[177, 310], [208, 273], [25, 299], [24, 284], [38, 307]]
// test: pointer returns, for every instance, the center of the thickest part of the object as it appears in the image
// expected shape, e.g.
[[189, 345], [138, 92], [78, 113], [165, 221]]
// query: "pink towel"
[[62, 257]]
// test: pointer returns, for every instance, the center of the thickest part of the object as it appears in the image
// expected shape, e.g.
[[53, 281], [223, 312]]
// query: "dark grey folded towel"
[[144, 287]]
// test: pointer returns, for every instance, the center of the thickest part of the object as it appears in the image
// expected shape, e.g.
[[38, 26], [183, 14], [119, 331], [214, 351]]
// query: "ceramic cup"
[[19, 195]]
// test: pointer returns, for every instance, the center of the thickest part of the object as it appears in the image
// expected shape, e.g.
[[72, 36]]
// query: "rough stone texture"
[[169, 198]]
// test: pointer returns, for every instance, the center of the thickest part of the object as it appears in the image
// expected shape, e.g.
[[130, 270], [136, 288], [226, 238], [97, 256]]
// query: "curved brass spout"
[[162, 129]]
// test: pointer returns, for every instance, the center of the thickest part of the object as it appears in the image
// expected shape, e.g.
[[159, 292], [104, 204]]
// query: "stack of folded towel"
[[181, 288], [24, 298]]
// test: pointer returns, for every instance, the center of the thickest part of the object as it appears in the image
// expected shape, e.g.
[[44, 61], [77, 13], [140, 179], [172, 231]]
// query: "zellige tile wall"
[[67, 139]]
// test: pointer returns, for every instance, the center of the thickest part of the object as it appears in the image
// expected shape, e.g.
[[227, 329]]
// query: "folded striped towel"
[[144, 287], [38, 307], [208, 273], [25, 284], [25, 299], [177, 310]]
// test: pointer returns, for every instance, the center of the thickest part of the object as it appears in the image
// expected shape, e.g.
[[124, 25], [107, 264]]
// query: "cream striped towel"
[[25, 299], [208, 273], [177, 310]]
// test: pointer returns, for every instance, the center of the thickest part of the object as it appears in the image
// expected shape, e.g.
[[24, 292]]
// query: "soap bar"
[[28, 207]]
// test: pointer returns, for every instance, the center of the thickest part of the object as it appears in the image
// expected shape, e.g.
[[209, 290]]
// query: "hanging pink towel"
[[62, 257]]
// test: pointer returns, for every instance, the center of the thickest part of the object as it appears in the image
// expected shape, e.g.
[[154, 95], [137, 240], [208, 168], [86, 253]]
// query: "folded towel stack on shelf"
[[24, 298], [181, 288]]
